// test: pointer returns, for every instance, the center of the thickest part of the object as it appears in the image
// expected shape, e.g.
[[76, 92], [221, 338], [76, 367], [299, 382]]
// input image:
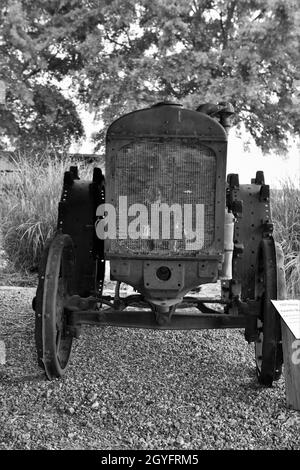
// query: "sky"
[[276, 168], [241, 161]]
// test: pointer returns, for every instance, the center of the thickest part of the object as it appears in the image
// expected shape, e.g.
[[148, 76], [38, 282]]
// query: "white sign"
[[2, 353], [289, 310], [2, 92]]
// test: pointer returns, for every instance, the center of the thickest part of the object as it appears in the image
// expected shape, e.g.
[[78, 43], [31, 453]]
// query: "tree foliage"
[[124, 54], [36, 114]]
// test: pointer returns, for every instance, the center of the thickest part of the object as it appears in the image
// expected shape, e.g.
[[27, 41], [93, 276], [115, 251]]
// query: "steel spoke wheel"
[[269, 285], [53, 338], [37, 305]]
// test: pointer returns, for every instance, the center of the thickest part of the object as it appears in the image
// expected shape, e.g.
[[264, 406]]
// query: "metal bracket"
[[264, 194], [151, 281], [76, 303]]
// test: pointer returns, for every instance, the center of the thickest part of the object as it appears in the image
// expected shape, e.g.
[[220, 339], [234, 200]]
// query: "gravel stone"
[[137, 389]]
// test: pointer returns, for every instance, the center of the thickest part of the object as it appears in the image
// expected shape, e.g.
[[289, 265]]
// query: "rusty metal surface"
[[166, 171], [189, 273], [185, 128], [37, 305], [76, 217], [57, 341], [269, 284], [164, 120], [146, 319], [250, 229]]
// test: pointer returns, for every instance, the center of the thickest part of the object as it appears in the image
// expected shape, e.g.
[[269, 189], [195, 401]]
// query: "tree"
[[124, 54], [36, 114], [194, 51]]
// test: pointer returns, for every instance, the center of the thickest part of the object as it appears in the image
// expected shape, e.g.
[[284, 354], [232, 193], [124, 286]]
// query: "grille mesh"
[[171, 172]]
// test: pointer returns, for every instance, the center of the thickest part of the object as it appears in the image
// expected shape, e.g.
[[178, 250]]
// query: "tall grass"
[[28, 209], [29, 200], [285, 204]]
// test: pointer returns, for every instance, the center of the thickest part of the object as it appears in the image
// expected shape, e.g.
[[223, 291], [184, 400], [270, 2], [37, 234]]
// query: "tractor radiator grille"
[[171, 172]]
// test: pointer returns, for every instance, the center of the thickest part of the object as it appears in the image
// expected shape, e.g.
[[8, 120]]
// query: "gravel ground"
[[138, 389]]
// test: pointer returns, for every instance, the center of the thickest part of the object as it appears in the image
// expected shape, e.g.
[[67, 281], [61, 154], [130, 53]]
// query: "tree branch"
[[116, 42], [223, 31], [260, 15], [226, 26], [169, 88]]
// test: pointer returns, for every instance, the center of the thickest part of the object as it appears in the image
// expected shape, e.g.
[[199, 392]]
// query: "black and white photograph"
[[149, 228]]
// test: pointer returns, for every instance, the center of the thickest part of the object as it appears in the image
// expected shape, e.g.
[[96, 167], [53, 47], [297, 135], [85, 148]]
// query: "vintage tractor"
[[168, 221]]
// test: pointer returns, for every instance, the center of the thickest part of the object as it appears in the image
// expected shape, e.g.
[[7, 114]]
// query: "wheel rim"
[[268, 349], [57, 340], [259, 346], [37, 305]]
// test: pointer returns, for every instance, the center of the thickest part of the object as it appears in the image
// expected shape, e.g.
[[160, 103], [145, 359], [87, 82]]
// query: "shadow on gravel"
[[30, 378]]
